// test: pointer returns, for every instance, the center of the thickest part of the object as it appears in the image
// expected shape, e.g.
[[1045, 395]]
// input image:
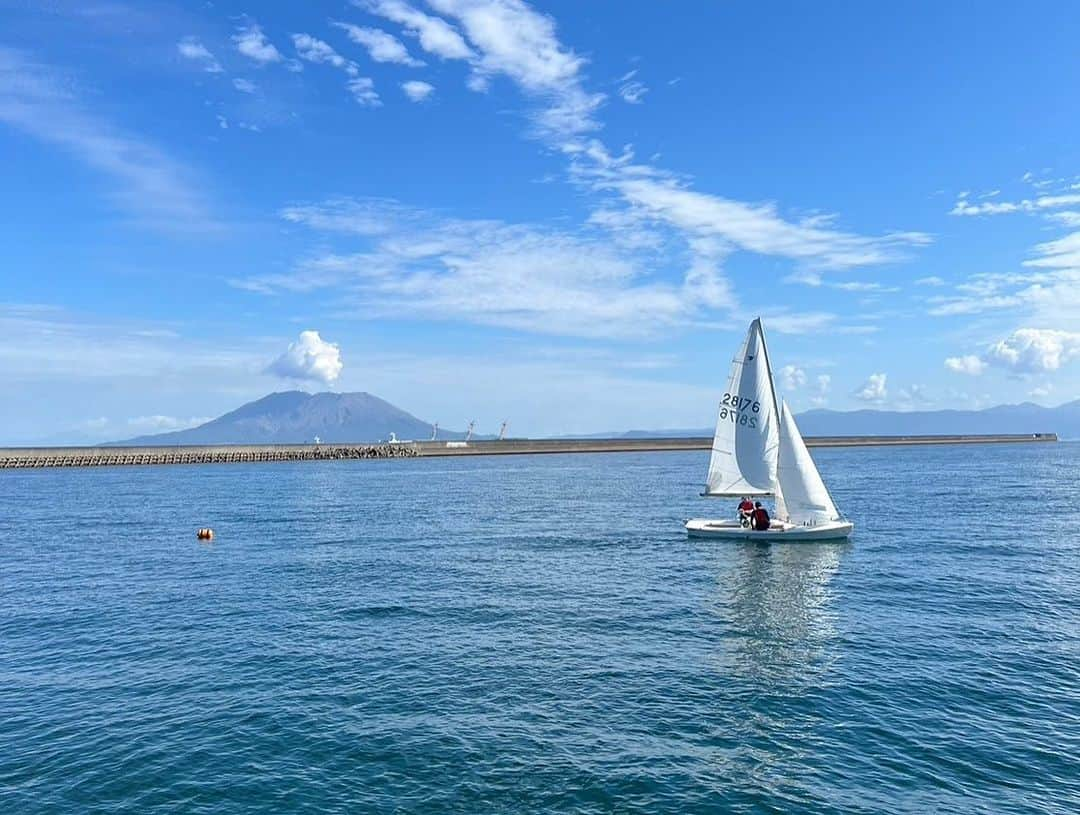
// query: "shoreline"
[[36, 457]]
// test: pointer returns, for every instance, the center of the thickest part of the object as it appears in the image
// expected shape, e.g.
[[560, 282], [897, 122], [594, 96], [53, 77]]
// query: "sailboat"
[[758, 452]]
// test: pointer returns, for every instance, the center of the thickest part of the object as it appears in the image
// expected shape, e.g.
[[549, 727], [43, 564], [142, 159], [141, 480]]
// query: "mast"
[[768, 366]]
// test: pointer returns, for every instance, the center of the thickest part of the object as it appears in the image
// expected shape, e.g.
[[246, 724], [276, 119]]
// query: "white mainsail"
[[801, 496], [744, 449]]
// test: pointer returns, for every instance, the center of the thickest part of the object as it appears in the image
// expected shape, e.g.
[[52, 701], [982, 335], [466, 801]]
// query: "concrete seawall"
[[32, 457], [537, 446], [22, 457]]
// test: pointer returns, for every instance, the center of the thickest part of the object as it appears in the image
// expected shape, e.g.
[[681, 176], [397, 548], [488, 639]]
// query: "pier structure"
[[30, 457], [24, 457]]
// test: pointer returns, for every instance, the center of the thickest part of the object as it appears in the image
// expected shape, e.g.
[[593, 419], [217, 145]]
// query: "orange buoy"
[[206, 534]]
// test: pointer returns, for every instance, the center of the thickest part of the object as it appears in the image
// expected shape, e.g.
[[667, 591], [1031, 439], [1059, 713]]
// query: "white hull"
[[779, 532]]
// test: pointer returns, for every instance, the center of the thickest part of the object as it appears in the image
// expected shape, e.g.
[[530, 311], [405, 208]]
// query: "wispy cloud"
[[1047, 290], [381, 46], [244, 85], [314, 50], [253, 44], [632, 90], [492, 273], [963, 205], [190, 48], [435, 35], [50, 343], [363, 91], [154, 188], [512, 40]]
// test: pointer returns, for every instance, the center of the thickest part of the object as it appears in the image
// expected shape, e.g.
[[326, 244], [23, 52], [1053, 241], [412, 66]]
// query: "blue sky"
[[560, 214]]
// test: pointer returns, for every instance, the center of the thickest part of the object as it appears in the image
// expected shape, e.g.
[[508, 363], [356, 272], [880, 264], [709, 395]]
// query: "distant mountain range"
[[1026, 417], [295, 417]]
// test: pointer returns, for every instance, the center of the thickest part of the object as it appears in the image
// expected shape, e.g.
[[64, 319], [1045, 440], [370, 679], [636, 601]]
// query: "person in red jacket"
[[746, 510], [760, 519]]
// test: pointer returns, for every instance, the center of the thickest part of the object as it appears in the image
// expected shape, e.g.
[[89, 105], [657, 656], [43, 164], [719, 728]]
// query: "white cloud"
[[633, 92], [381, 46], [1033, 350], [49, 343], [488, 272], [821, 391], [191, 48], [810, 322], [436, 36], [873, 390], [965, 207], [309, 358], [363, 91], [513, 40], [253, 44], [913, 395], [1041, 391], [416, 90], [755, 228], [1069, 218], [1063, 253], [968, 364], [792, 377], [244, 85], [313, 49], [158, 190], [163, 424], [930, 281], [1024, 351]]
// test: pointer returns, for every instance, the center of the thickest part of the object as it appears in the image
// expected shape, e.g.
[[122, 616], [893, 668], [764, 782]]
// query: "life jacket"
[[761, 519], [746, 506]]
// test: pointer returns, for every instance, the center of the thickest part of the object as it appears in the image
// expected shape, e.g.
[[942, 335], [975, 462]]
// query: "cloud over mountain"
[[310, 358]]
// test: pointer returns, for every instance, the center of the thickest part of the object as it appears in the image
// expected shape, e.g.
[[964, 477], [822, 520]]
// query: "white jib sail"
[[802, 496], [744, 448]]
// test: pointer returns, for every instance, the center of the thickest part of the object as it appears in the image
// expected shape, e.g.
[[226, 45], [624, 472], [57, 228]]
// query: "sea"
[[537, 634]]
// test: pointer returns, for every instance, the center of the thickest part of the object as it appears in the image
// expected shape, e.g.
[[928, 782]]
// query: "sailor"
[[746, 509], [760, 518]]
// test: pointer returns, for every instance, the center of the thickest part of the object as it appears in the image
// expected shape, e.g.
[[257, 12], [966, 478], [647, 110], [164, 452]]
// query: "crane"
[[469, 430], [502, 430]]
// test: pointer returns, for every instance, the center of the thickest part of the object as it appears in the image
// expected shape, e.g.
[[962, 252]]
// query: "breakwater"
[[30, 457], [11, 458]]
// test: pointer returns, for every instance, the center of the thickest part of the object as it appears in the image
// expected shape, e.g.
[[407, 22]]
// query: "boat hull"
[[778, 533]]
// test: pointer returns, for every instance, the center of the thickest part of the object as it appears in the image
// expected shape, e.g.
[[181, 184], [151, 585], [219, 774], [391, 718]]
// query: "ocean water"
[[537, 634]]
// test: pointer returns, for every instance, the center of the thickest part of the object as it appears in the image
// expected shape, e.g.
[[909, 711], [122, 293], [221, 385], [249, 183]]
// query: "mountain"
[[295, 417], [1026, 417], [1023, 418]]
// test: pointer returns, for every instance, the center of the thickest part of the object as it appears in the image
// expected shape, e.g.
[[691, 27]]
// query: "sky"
[[559, 214]]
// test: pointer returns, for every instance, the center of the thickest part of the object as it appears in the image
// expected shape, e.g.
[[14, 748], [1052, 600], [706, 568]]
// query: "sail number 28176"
[[738, 408]]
